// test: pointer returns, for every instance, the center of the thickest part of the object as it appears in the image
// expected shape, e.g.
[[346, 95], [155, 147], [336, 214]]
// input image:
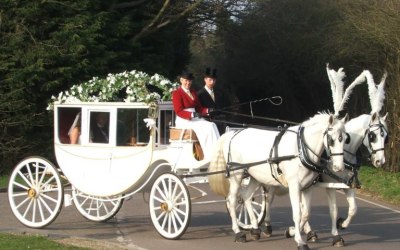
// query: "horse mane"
[[320, 117], [376, 92]]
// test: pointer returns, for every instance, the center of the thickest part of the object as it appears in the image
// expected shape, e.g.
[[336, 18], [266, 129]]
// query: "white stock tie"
[[212, 95]]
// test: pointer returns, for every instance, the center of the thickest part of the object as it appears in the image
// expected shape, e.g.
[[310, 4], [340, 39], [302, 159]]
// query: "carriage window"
[[131, 129], [99, 127], [69, 125], [166, 121]]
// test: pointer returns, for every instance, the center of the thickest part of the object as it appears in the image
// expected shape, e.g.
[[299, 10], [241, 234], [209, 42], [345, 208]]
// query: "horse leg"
[[247, 195], [305, 215], [351, 199], [333, 211], [234, 187], [269, 198], [294, 193]]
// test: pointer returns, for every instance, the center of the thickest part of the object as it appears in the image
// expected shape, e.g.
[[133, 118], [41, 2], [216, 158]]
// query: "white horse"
[[372, 132], [276, 158]]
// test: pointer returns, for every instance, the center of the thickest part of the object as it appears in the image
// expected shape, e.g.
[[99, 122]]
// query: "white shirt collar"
[[208, 89]]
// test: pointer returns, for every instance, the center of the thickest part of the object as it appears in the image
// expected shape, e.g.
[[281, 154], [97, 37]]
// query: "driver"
[[189, 113]]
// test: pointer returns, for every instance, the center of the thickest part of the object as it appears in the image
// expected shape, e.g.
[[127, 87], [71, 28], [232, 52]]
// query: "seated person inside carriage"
[[99, 128], [189, 113], [74, 132]]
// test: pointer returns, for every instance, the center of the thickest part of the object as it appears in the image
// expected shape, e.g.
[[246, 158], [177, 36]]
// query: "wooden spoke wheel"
[[258, 204], [95, 208], [35, 192], [170, 206]]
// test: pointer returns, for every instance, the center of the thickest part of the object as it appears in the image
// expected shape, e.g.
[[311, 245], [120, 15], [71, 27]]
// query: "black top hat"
[[186, 75], [210, 73]]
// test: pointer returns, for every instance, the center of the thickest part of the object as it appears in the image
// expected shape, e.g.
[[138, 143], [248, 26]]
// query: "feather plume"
[[336, 80], [360, 79], [371, 87], [379, 99]]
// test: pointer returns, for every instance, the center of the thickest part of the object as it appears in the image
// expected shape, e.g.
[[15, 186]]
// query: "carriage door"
[[100, 138]]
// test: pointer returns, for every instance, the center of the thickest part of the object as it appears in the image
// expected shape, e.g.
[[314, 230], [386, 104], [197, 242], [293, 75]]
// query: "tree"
[[47, 46]]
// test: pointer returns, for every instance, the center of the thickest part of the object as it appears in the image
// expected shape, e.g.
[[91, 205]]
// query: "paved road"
[[376, 226]]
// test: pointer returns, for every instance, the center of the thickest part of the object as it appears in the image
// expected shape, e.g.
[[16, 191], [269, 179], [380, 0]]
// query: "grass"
[[381, 184], [4, 181], [14, 241]]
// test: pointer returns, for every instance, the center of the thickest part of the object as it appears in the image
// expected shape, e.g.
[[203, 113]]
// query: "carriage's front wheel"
[[170, 206], [94, 208], [35, 192]]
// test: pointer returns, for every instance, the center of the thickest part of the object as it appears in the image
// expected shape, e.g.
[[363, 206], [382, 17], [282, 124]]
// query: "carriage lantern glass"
[[153, 111]]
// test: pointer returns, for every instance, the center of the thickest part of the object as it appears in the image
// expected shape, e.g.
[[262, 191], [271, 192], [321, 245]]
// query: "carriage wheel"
[[35, 192], [94, 208], [258, 202], [170, 206]]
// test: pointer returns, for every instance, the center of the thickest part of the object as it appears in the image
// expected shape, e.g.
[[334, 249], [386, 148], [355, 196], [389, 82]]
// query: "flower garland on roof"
[[130, 86]]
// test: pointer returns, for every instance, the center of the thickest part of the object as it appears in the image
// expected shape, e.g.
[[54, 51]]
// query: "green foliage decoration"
[[129, 86]]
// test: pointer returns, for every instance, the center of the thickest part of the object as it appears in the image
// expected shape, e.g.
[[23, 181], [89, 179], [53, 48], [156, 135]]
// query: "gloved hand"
[[196, 115]]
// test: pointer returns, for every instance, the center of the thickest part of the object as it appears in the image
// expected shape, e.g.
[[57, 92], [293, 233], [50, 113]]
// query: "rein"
[[253, 116]]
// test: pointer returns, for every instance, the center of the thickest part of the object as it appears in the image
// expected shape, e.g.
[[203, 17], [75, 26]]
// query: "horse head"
[[335, 137], [375, 138], [326, 132]]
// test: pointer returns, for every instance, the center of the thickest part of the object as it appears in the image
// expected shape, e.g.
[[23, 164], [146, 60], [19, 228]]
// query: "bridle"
[[369, 133], [330, 142]]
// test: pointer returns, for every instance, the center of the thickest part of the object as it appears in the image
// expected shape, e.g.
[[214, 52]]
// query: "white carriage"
[[137, 157]]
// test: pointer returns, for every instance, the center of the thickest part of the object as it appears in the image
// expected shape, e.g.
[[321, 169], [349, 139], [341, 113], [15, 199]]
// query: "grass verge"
[[14, 241], [3, 181], [380, 184]]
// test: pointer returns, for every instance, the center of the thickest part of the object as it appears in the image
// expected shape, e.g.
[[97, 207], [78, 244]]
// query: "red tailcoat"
[[182, 101]]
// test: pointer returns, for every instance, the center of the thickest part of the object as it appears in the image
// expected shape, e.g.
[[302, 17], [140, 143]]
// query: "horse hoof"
[[255, 234], [338, 241], [240, 237], [339, 224], [287, 233], [303, 247], [312, 236], [267, 230]]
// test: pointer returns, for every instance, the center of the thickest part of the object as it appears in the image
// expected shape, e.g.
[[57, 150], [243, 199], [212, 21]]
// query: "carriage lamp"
[[153, 111]]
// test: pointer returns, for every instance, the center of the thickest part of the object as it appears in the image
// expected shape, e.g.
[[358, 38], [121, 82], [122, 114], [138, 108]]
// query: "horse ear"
[[385, 116], [345, 118], [331, 119], [374, 116]]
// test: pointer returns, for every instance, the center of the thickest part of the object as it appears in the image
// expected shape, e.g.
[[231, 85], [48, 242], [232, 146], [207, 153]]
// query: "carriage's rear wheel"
[[258, 204], [35, 192], [94, 208], [170, 206]]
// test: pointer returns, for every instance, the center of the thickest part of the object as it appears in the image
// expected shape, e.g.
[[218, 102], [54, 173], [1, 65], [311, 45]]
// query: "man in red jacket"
[[189, 112]]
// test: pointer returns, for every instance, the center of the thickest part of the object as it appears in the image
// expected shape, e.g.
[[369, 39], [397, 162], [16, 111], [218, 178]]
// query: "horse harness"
[[372, 136], [275, 159]]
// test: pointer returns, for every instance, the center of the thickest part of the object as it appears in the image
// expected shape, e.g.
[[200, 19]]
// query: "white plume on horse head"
[[337, 83], [376, 92], [340, 98]]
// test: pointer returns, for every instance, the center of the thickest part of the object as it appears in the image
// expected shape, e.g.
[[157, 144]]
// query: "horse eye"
[[348, 139], [340, 138]]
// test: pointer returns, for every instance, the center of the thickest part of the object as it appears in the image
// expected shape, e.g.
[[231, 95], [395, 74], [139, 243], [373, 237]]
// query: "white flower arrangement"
[[127, 86]]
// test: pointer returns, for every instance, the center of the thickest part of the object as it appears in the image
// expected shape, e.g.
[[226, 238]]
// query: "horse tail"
[[218, 182]]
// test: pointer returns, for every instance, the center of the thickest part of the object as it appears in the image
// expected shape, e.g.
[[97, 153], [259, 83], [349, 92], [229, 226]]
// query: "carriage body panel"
[[121, 164]]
